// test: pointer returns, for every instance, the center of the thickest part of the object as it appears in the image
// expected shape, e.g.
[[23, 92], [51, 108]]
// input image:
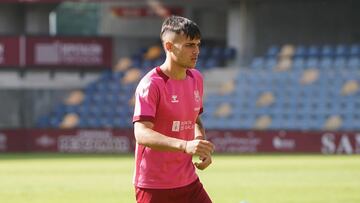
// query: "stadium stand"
[[304, 88], [108, 101], [291, 87]]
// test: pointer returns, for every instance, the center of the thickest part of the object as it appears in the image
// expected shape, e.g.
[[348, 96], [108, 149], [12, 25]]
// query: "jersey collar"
[[165, 77]]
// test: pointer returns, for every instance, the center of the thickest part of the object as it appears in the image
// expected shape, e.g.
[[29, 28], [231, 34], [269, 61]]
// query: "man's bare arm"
[[199, 129], [200, 135], [145, 135]]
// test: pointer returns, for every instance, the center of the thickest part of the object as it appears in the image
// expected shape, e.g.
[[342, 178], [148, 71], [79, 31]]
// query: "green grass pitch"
[[69, 178]]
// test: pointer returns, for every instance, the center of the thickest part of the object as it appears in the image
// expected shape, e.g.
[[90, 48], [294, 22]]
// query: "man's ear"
[[168, 46]]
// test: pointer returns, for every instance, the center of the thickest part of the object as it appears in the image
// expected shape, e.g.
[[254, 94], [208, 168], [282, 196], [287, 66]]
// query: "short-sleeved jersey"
[[173, 107]]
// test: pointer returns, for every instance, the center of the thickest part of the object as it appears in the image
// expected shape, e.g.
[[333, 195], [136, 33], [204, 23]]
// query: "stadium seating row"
[[108, 101], [315, 50], [312, 98]]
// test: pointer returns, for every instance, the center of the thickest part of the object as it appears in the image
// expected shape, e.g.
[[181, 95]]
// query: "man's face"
[[185, 51]]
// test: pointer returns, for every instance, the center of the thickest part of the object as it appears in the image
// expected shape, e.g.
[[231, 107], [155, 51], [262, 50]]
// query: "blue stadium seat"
[[205, 52], [355, 50], [354, 63], [300, 51], [211, 63], [257, 63], [312, 62], [270, 63], [217, 52], [339, 62], [326, 63], [273, 51], [313, 51], [298, 63], [147, 64], [229, 53], [327, 51], [341, 50]]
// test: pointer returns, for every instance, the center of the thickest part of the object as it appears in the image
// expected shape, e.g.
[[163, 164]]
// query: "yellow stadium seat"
[[265, 99], [123, 64], [75, 98], [131, 76], [350, 87], [263, 122], [69, 121], [223, 110], [309, 76], [334, 122]]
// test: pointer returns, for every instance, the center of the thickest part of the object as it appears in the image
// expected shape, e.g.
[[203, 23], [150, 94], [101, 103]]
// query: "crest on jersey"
[[197, 95], [174, 99]]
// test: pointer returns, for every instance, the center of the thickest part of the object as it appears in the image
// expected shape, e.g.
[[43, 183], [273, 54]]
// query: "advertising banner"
[[145, 11], [9, 51], [81, 141], [37, 1], [13, 141], [285, 142], [69, 52], [226, 141]]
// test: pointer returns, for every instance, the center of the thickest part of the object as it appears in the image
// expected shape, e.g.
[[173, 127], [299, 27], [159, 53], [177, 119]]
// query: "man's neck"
[[173, 71]]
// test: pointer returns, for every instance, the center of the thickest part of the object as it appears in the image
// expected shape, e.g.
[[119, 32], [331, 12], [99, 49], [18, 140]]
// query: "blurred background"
[[282, 81], [287, 68]]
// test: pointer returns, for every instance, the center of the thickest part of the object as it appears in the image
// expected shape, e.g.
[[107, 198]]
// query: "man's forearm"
[[199, 130], [150, 138]]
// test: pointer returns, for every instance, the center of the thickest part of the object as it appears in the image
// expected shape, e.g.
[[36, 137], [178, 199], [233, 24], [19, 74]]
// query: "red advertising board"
[[9, 51], [56, 52], [226, 141], [145, 11], [81, 141], [13, 141], [43, 1], [285, 142], [69, 52]]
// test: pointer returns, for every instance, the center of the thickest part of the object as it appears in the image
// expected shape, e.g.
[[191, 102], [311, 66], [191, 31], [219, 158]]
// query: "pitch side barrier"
[[58, 52], [226, 141]]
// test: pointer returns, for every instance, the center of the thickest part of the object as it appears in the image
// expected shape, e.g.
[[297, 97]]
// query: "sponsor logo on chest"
[[174, 99]]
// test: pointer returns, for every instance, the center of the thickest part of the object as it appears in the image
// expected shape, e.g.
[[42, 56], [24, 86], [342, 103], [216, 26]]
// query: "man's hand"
[[205, 162], [202, 148]]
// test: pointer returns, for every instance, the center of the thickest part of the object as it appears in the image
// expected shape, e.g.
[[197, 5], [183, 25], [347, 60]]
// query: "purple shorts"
[[193, 193]]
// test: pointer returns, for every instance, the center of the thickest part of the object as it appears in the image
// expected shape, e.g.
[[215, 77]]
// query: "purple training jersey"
[[173, 107]]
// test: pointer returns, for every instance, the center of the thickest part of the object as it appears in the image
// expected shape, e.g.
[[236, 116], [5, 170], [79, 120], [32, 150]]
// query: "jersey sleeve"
[[146, 99], [200, 85], [201, 88]]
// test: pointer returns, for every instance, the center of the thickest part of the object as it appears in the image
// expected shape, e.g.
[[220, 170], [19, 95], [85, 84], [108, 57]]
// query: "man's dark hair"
[[180, 25]]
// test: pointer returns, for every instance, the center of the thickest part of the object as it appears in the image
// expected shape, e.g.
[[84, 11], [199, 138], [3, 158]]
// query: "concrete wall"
[[305, 22], [22, 108], [11, 19]]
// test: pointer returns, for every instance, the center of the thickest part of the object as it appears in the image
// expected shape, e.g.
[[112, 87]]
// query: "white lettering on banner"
[[344, 145], [81, 53], [329, 145], [93, 141], [45, 141], [2, 53], [282, 143], [357, 143], [3, 140], [230, 143], [68, 53]]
